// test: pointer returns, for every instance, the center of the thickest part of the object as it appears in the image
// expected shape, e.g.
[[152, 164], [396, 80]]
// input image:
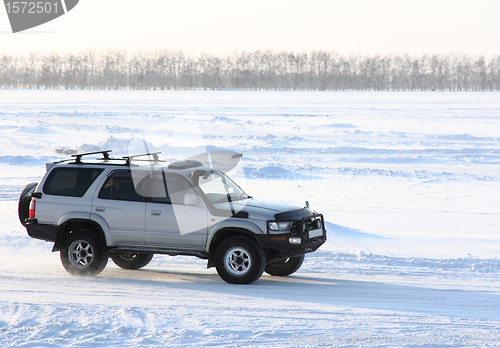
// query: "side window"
[[158, 193], [72, 182], [120, 186], [177, 191], [171, 193]]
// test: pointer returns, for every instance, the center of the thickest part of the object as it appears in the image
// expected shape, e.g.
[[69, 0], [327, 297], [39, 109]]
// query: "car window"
[[120, 186], [173, 192], [158, 193], [72, 182], [218, 187], [177, 191]]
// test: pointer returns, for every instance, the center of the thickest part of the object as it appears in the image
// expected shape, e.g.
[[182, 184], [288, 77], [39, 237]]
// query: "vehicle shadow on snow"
[[298, 288]]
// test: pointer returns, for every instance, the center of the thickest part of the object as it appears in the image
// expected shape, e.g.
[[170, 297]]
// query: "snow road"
[[408, 182]]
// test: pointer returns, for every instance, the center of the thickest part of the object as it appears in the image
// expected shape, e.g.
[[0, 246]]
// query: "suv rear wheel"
[[82, 253], [132, 260], [239, 260], [284, 267]]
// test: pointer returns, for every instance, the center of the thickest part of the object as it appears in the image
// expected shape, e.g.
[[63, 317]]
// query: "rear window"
[[72, 182]]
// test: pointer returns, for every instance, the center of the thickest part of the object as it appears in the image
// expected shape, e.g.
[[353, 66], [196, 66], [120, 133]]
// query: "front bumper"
[[289, 245]]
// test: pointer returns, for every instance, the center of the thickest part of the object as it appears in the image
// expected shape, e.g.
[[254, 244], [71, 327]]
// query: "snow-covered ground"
[[409, 184]]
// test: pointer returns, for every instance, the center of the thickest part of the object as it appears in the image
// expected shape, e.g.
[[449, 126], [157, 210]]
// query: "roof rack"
[[78, 156], [127, 159], [154, 154]]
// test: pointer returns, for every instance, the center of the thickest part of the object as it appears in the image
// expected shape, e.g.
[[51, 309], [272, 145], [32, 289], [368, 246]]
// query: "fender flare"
[[235, 224], [225, 229], [76, 220]]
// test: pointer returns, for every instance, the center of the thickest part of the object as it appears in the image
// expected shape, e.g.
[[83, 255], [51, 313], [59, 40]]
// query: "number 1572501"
[[32, 7]]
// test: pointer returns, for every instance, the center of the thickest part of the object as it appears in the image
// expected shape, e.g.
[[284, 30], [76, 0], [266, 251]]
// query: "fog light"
[[294, 240], [319, 224]]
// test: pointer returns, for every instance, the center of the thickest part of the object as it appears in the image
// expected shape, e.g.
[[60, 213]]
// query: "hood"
[[260, 204], [261, 209]]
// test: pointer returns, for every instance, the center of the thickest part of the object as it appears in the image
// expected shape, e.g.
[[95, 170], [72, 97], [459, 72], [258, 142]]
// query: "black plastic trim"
[[294, 214], [171, 252], [282, 248], [78, 156], [61, 236], [42, 231]]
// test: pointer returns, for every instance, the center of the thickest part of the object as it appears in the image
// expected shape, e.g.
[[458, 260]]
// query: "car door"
[[170, 223], [119, 204]]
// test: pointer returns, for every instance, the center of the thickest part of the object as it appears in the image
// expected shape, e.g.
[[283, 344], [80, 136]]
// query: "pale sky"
[[222, 27]]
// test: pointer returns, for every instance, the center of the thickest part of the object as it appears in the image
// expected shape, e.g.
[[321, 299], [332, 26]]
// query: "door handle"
[[155, 212], [99, 209]]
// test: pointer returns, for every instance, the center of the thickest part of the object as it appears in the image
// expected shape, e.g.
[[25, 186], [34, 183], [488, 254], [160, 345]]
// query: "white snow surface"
[[408, 182]]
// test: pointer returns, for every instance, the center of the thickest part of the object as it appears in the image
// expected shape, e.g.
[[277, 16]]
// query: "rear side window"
[[120, 186], [72, 182]]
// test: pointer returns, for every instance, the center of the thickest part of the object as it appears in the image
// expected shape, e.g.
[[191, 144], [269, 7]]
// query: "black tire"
[[83, 254], [132, 260], [23, 208], [239, 260], [284, 267]]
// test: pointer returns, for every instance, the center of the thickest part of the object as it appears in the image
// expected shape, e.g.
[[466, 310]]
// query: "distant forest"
[[164, 69]]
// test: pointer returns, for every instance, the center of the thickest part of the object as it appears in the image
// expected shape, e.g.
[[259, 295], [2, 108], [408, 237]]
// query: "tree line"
[[163, 69]]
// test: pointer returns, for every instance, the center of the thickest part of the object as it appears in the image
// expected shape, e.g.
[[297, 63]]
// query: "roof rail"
[[154, 154], [105, 155]]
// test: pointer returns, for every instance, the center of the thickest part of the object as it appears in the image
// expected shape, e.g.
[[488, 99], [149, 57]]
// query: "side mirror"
[[192, 200]]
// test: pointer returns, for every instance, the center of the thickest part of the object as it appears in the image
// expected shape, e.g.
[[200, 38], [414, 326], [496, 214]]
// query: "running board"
[[171, 252]]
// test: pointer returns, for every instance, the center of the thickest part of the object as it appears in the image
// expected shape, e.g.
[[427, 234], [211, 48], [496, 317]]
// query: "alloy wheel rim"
[[237, 261], [81, 253]]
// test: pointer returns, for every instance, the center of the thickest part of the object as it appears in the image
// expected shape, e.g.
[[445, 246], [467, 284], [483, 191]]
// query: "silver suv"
[[133, 207]]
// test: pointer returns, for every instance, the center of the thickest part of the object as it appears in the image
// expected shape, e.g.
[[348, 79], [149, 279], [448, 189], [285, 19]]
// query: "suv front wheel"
[[239, 260], [82, 253]]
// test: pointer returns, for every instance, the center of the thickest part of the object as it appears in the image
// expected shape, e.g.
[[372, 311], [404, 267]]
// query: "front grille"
[[307, 224], [296, 227]]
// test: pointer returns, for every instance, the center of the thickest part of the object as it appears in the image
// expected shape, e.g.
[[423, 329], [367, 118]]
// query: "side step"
[[171, 252]]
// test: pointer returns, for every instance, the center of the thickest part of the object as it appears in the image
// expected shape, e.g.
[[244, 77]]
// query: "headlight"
[[279, 227], [273, 226]]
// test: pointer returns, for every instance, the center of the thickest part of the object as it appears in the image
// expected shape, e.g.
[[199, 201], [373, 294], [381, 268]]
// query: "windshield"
[[218, 187]]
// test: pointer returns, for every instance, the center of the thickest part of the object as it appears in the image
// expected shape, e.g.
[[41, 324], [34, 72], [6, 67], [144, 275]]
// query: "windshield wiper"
[[222, 200], [243, 198], [232, 198]]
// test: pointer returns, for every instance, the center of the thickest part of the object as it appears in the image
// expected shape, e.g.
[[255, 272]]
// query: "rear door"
[[123, 208]]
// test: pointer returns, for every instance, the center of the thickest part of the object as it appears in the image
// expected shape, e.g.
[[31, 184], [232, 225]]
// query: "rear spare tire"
[[23, 208]]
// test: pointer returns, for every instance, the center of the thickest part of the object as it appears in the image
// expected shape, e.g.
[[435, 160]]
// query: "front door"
[[169, 222]]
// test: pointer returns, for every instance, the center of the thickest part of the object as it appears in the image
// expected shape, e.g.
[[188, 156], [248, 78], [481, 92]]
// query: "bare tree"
[[256, 70]]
